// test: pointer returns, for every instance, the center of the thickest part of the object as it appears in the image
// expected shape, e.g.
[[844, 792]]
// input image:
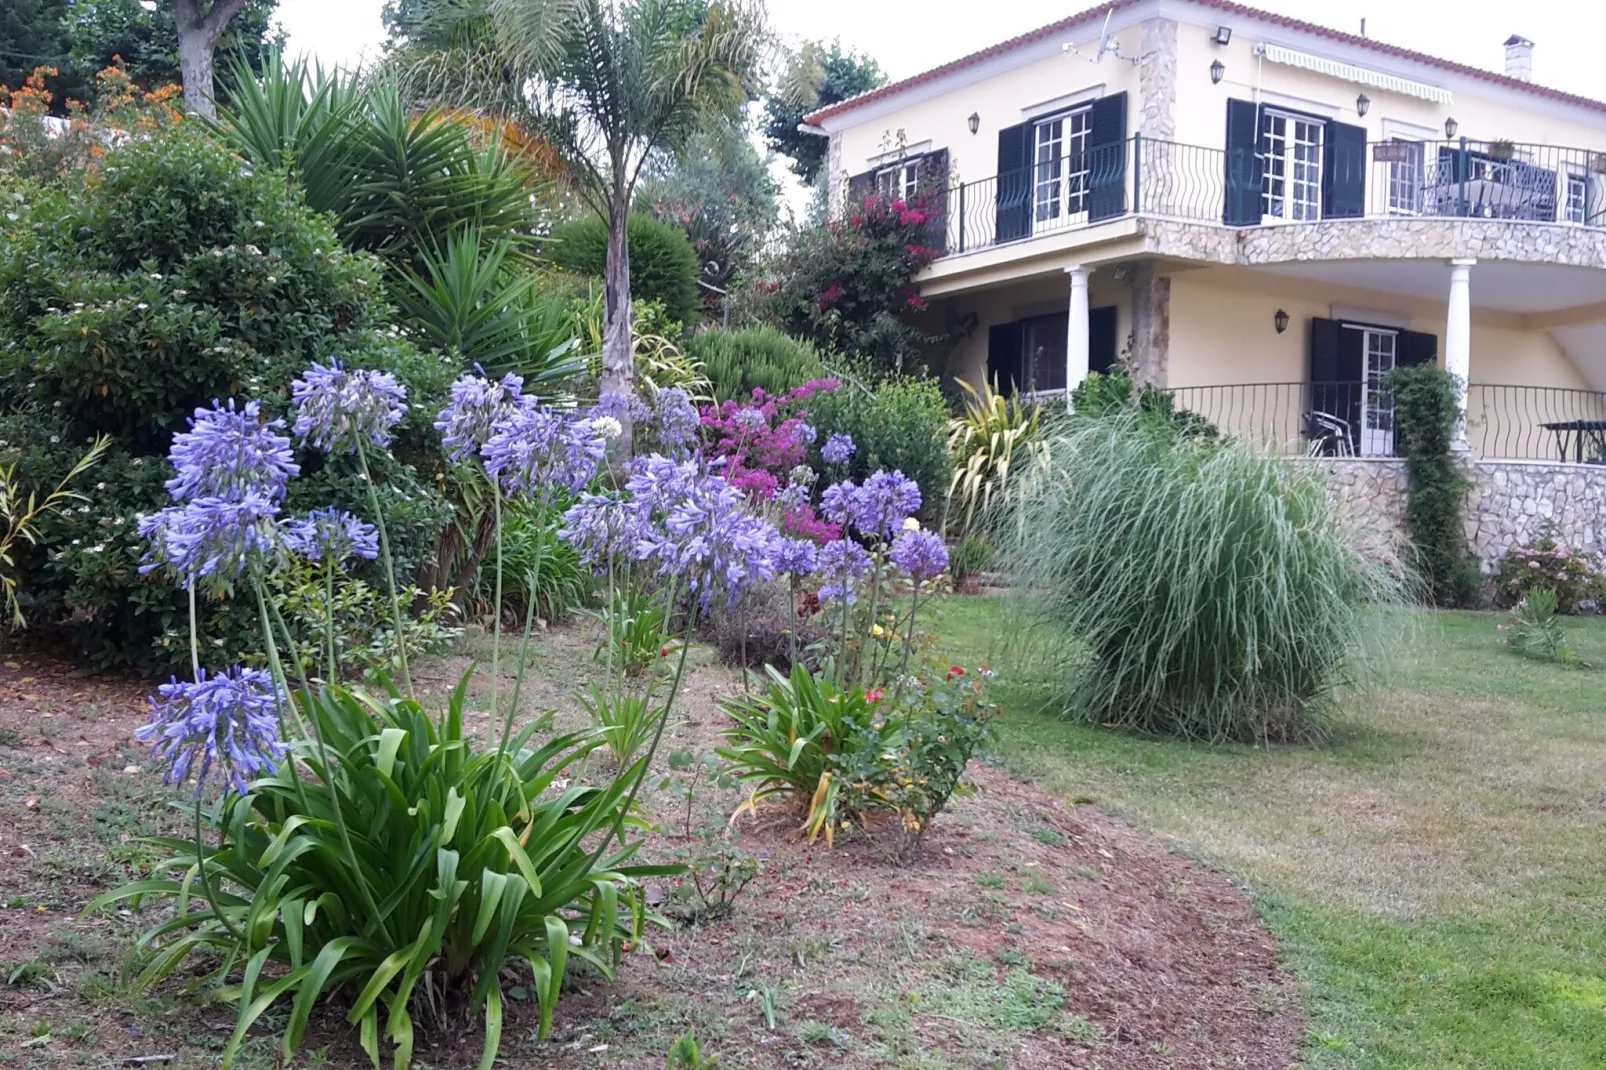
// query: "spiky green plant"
[[1188, 588], [989, 441]]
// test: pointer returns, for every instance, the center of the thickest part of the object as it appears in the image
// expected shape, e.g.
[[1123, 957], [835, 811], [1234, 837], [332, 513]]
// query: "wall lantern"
[[1223, 35], [1363, 104], [974, 122], [1217, 69], [1281, 321], [1450, 127]]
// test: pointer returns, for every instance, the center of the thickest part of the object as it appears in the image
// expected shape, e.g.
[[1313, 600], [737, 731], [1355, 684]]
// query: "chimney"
[[1519, 58]]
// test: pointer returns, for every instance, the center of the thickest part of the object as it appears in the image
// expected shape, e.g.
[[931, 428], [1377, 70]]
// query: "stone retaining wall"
[[1511, 503]]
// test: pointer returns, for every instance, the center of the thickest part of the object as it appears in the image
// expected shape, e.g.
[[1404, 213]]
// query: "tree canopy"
[[826, 74]]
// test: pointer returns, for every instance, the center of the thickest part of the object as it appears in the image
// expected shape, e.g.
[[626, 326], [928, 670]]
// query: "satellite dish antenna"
[[1104, 39]]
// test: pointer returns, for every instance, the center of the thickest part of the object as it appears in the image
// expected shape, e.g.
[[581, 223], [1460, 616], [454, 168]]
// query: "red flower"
[[832, 294], [663, 651], [954, 670], [875, 694]]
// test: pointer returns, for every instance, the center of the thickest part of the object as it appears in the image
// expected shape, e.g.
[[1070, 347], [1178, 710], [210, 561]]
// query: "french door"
[[1379, 354], [1059, 192], [1291, 154]]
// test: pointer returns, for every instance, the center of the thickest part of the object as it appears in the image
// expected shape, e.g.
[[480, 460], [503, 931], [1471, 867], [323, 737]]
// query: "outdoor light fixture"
[[1217, 69], [1223, 35], [974, 122], [1451, 126], [1281, 320], [1363, 104]]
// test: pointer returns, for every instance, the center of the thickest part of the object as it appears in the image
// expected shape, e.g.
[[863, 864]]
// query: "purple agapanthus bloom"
[[331, 535], [210, 538], [791, 496], [477, 404], [842, 565], [621, 407], [883, 503], [337, 409], [837, 449], [751, 420], [921, 554], [677, 419], [796, 557], [536, 451], [227, 723], [840, 502], [602, 527], [805, 434], [228, 451]]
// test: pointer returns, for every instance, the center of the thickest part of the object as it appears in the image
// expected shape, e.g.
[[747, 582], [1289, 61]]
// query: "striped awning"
[[1376, 79]]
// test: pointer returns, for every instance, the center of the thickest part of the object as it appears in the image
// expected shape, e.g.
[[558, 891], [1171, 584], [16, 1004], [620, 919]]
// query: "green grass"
[[1434, 874]]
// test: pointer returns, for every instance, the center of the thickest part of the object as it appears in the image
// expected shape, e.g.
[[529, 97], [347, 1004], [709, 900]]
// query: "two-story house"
[[1262, 215]]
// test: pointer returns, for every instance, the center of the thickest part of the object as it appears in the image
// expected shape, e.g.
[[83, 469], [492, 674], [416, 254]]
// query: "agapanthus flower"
[[796, 557], [608, 427], [837, 449], [476, 406], [602, 527], [840, 502], [751, 420], [699, 530], [228, 451], [331, 535], [210, 537], [620, 406], [337, 409], [842, 566], [883, 502], [677, 418], [536, 451], [227, 723], [791, 496], [804, 433], [921, 554]]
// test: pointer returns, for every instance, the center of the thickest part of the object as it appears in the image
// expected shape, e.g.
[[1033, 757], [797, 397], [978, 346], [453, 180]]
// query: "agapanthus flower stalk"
[[210, 538], [339, 409], [476, 406], [226, 723]]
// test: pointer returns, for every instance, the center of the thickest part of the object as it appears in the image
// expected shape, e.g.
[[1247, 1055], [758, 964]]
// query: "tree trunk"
[[618, 338], [195, 63]]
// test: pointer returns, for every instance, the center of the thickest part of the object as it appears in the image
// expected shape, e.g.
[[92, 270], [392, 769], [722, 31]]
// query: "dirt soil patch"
[[1031, 933]]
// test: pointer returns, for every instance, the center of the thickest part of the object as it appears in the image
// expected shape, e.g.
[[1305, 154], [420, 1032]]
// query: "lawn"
[[1434, 874]]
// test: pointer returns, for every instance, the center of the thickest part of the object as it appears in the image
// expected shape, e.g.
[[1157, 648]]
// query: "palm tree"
[[609, 83]]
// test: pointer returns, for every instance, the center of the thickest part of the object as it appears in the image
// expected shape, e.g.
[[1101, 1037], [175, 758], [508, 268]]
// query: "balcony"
[[1146, 177], [1354, 419]]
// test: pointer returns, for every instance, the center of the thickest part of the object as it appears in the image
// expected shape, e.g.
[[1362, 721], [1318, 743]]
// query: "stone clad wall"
[[1511, 503]]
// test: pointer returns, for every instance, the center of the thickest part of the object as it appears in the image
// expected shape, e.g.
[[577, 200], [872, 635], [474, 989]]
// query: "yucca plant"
[[784, 736], [418, 864], [1190, 588], [994, 437]]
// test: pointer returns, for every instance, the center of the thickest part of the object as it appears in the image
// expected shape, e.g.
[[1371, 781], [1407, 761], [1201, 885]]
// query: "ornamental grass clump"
[[1187, 588]]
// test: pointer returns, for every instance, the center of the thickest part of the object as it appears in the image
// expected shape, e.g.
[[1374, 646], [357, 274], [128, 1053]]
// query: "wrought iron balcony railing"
[[1355, 419], [1377, 180]]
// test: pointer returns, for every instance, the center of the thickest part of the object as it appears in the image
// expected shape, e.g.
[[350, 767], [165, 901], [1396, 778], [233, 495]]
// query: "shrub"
[[899, 423], [764, 628], [973, 556], [1574, 578], [1115, 390], [1192, 589], [984, 442], [1534, 630], [1426, 415], [532, 552], [763, 358], [174, 275], [848, 286], [663, 265]]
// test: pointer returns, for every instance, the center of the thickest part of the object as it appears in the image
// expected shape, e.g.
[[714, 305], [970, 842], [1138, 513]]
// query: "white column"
[[1458, 336], [1076, 344]]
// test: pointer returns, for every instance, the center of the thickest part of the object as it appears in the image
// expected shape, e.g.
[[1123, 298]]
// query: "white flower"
[[607, 427], [911, 524]]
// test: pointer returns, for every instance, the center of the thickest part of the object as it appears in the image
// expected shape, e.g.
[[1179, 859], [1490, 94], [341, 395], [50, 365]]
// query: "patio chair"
[[1328, 435]]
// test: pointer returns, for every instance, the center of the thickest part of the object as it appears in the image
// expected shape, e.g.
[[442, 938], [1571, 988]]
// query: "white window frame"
[[1283, 173], [901, 181], [1376, 406], [1576, 213], [1059, 195], [1407, 179]]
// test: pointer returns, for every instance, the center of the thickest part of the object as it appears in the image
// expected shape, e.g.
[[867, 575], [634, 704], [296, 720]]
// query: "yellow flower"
[[877, 631]]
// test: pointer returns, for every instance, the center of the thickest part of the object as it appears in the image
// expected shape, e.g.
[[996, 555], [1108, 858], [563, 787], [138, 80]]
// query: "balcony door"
[[1061, 173], [1351, 411], [1291, 154], [1379, 354]]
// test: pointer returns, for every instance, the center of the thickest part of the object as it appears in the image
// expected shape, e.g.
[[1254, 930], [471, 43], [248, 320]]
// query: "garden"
[[464, 606]]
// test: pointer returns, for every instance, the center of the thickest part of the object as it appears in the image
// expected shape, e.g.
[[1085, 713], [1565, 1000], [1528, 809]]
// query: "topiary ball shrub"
[[753, 358], [663, 264], [1186, 588], [172, 275]]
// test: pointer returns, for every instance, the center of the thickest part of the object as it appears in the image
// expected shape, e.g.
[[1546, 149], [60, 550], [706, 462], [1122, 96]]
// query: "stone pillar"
[[1157, 79], [1151, 325], [1458, 337], [834, 180], [1076, 341]]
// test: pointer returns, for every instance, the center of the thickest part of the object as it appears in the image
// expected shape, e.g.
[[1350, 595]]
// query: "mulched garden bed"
[[1029, 934]]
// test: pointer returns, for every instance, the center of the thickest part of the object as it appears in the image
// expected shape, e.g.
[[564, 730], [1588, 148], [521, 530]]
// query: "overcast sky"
[[909, 37]]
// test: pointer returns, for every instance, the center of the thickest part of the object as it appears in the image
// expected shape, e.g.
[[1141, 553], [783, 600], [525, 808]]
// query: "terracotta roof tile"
[[1226, 7]]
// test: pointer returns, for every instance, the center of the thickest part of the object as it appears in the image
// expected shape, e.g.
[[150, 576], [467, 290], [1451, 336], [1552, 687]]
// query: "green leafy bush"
[[1573, 577], [1115, 390], [1427, 412], [635, 626], [1535, 631], [900, 422], [663, 265], [175, 275], [407, 873], [1188, 588], [737, 362], [966, 561], [532, 553]]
